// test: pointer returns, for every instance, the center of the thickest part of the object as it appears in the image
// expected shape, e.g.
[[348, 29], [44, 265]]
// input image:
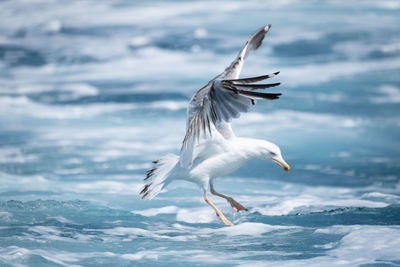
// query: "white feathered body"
[[217, 158]]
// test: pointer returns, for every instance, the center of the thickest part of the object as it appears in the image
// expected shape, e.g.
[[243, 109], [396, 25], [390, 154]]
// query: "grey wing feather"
[[225, 130], [223, 102], [197, 101], [224, 98], [231, 72]]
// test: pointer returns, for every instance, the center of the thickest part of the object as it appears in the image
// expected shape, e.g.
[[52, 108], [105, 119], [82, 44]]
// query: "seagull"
[[210, 149]]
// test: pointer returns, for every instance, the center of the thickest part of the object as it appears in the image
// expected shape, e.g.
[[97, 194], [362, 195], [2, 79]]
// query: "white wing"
[[222, 99]]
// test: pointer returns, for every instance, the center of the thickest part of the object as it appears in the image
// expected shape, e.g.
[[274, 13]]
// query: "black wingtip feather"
[[270, 96], [257, 86], [145, 195], [145, 188], [150, 173], [254, 79]]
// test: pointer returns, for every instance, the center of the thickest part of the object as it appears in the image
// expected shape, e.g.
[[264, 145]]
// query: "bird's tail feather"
[[159, 176]]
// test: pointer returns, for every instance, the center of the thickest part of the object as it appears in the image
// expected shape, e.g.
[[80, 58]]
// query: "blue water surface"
[[92, 91]]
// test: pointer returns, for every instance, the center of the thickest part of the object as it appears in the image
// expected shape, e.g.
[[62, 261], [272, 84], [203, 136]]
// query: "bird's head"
[[272, 152]]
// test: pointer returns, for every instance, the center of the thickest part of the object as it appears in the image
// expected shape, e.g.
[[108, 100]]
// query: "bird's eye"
[[273, 154]]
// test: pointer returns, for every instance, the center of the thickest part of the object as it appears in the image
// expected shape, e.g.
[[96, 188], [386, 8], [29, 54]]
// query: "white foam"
[[389, 94], [169, 105], [337, 229], [141, 255], [391, 48], [316, 199], [360, 245], [370, 243], [131, 233], [297, 119], [41, 183], [287, 35], [380, 195], [45, 233], [53, 26], [112, 150], [61, 219], [15, 155], [344, 154], [119, 231], [326, 246], [106, 187], [139, 166], [364, 244], [116, 142], [196, 215], [75, 89], [13, 254], [139, 41], [48, 233], [200, 33], [16, 182], [156, 211], [305, 75], [252, 229], [22, 105]]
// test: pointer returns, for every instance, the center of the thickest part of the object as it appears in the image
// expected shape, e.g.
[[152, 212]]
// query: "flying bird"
[[210, 149]]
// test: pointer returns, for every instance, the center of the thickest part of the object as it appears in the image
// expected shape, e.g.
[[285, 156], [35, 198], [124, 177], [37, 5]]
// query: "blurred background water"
[[92, 91]]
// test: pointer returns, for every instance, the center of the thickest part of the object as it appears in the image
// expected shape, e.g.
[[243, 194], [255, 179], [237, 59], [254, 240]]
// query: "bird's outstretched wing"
[[224, 98]]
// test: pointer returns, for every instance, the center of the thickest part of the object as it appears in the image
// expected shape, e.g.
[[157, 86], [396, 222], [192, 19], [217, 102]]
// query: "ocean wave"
[[158, 256], [13, 255], [299, 203], [252, 229], [16, 155], [352, 249], [305, 75], [23, 106], [4, 215], [360, 245], [40, 183], [363, 51], [15, 55], [156, 211], [283, 201], [196, 215], [379, 241], [297, 119], [74, 90], [338, 244], [388, 95], [39, 204]]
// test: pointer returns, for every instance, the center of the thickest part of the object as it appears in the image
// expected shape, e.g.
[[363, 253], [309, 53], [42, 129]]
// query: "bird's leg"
[[235, 205], [219, 213]]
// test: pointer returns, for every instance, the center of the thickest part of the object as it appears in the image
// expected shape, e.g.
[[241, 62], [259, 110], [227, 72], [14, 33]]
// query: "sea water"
[[92, 91]]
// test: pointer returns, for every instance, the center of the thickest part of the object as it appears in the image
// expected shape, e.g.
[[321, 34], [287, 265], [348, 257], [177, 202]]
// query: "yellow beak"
[[283, 164]]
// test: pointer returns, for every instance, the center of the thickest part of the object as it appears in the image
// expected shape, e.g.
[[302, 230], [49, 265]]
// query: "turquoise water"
[[91, 93]]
